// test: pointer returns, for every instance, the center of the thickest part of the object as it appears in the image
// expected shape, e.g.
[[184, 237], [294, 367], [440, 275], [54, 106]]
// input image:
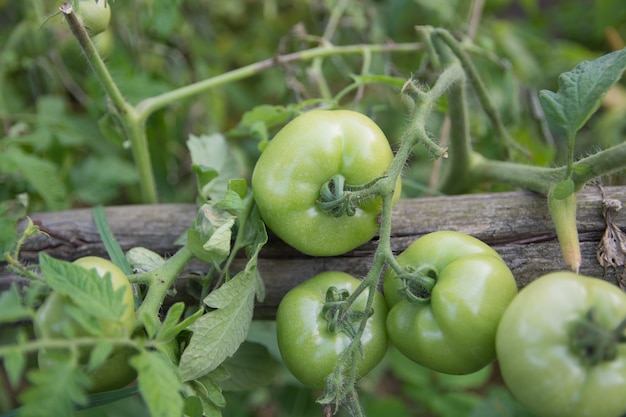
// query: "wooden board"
[[516, 224]]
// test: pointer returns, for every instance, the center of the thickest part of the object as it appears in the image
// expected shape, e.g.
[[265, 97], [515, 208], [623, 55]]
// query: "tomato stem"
[[595, 343], [418, 284]]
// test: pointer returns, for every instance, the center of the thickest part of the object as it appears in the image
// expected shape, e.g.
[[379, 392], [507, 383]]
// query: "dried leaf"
[[611, 251]]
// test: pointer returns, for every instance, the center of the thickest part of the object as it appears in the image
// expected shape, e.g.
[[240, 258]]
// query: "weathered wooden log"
[[516, 224]]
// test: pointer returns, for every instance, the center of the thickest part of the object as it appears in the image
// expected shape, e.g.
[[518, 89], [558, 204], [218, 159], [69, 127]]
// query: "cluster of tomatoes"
[[450, 304], [453, 305]]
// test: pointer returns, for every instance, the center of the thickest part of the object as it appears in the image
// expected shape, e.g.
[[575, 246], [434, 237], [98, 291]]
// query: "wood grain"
[[516, 224]]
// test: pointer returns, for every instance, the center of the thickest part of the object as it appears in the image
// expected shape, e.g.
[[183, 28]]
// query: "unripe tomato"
[[561, 347], [53, 321], [451, 329], [308, 347], [95, 15], [300, 159]]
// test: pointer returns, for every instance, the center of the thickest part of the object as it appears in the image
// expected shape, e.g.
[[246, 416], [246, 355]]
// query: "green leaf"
[[14, 363], [210, 238], [91, 293], [172, 325], [55, 391], [218, 334], [581, 91], [99, 354], [232, 201], [159, 384], [214, 156], [260, 119], [163, 17], [238, 186], [113, 248], [193, 406], [100, 178], [142, 259], [500, 403], [41, 174], [250, 367], [11, 212], [209, 394], [564, 189], [11, 306]]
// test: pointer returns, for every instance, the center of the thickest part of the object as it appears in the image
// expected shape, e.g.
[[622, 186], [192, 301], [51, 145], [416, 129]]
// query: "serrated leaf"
[[11, 307], [250, 367], [581, 91], [85, 287], [55, 391], [159, 384], [218, 334]]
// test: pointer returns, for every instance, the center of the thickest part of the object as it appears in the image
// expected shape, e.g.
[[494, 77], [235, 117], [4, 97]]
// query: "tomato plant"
[[311, 336], [53, 321], [95, 15], [444, 311], [308, 152], [561, 347]]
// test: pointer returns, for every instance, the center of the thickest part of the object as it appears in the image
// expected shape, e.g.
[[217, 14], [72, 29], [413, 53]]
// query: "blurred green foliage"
[[51, 103]]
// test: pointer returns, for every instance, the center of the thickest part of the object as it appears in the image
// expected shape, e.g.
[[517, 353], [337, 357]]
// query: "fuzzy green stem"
[[479, 87], [131, 119], [563, 212], [73, 343], [459, 163], [161, 279], [150, 105]]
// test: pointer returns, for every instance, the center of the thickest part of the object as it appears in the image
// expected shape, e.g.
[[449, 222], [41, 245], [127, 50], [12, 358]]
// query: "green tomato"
[[52, 320], [302, 157], [119, 280], [95, 15], [103, 42], [453, 329], [540, 354], [308, 347]]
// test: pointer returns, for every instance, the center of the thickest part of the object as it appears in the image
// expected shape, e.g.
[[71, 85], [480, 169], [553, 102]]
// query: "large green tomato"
[[553, 365], [309, 349], [302, 157], [451, 327], [53, 321]]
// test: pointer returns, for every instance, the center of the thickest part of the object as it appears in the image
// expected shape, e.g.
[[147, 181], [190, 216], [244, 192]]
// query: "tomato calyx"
[[418, 283], [595, 343], [338, 313], [339, 198]]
